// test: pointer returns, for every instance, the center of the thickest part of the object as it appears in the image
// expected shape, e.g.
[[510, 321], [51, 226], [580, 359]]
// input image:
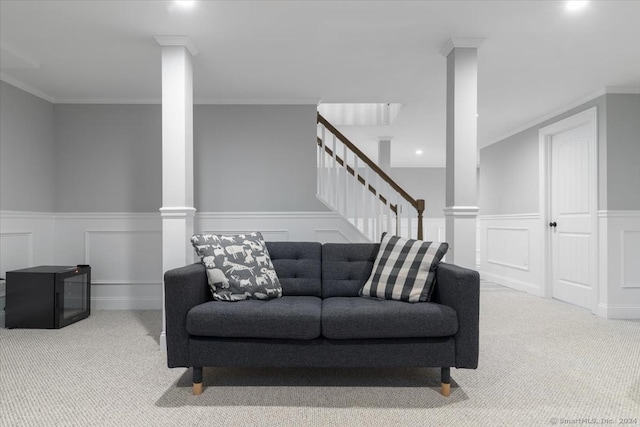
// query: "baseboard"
[[518, 285], [126, 295], [627, 312], [163, 342]]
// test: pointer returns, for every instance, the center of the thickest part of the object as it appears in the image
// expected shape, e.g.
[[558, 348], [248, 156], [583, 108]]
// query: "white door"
[[572, 204]]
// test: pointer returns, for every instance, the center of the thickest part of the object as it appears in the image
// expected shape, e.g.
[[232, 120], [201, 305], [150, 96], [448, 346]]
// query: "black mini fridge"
[[48, 296]]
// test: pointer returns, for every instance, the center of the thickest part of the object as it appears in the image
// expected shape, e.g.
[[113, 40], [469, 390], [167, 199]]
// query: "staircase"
[[353, 185]]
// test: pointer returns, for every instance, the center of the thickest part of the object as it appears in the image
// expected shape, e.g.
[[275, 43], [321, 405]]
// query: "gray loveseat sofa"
[[320, 321]]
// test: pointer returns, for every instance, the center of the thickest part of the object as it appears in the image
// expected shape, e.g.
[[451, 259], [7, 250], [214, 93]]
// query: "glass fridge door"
[[74, 296]]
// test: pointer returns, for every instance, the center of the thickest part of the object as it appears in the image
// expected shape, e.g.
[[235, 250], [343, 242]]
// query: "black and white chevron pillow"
[[404, 269]]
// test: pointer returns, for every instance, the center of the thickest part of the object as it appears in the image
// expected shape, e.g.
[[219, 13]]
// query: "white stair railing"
[[353, 185]]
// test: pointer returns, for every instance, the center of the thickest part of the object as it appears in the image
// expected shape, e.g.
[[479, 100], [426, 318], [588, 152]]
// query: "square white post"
[[384, 153], [177, 157], [461, 201]]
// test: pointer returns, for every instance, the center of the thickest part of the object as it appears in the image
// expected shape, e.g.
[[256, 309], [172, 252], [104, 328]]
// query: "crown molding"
[[257, 101], [178, 41], [458, 42], [158, 101], [607, 90], [27, 88], [20, 59], [140, 101], [622, 90]]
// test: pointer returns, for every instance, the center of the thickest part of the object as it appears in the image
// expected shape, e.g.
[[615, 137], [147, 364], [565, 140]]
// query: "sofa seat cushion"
[[288, 317], [354, 317]]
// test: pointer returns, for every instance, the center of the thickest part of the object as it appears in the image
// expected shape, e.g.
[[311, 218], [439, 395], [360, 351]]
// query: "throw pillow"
[[404, 269], [238, 267]]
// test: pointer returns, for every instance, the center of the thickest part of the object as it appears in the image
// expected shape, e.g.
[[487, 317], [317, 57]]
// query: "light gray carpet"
[[540, 361]]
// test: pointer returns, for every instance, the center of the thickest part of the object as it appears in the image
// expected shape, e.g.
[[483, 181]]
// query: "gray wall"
[[97, 158], [623, 152], [509, 175], [108, 158], [424, 183], [509, 169], [255, 158], [26, 151]]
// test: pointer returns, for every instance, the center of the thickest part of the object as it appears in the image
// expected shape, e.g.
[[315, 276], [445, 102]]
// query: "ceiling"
[[537, 58]]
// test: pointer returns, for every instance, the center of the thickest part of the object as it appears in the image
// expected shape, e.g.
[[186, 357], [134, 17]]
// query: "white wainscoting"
[[508, 247], [125, 249], [511, 251], [433, 229], [619, 234], [125, 254], [26, 239]]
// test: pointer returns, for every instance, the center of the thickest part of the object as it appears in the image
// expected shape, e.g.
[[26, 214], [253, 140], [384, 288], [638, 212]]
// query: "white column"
[[461, 199], [384, 162], [384, 153], [177, 210]]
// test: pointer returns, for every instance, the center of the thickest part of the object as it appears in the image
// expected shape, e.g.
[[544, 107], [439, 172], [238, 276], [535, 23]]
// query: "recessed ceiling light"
[[576, 5], [418, 152], [185, 4]]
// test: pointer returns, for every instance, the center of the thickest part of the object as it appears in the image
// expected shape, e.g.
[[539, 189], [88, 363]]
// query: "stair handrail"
[[359, 177], [418, 204]]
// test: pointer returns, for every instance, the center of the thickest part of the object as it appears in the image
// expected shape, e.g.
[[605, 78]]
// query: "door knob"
[[553, 224]]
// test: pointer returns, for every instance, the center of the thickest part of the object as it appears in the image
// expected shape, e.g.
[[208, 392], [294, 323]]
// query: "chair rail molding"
[[619, 214], [501, 217], [461, 211], [177, 211]]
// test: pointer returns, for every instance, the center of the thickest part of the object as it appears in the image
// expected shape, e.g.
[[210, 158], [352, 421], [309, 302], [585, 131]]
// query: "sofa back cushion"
[[345, 267], [298, 266]]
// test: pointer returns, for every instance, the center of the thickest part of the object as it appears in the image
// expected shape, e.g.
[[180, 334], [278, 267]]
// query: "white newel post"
[[461, 201], [177, 210]]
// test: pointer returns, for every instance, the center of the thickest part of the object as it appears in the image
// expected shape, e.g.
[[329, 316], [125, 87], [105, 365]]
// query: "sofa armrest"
[[184, 288], [459, 288]]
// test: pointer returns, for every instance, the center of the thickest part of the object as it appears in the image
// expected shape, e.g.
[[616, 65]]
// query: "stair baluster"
[[356, 211], [345, 182]]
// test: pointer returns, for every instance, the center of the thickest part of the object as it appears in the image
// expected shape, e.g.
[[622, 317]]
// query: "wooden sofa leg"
[[445, 382], [197, 381], [197, 389]]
